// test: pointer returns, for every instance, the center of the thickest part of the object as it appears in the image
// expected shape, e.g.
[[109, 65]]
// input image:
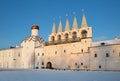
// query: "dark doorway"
[[49, 65]]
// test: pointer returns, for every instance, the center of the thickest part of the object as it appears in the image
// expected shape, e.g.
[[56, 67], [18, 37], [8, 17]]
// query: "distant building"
[[71, 49]]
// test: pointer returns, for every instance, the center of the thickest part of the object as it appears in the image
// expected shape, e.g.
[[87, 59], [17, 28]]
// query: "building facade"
[[71, 49], [68, 49], [25, 56], [74, 49]]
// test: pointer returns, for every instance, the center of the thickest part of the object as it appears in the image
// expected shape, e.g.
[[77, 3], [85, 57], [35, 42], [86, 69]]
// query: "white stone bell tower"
[[34, 30]]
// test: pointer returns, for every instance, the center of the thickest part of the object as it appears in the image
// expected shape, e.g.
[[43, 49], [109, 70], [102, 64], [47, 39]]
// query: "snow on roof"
[[107, 42]]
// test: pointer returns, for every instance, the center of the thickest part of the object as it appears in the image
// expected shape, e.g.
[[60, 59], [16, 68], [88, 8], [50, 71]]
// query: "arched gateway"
[[49, 65]]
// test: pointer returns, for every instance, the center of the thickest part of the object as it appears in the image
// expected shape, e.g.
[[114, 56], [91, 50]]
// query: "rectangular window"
[[42, 63], [19, 54], [38, 54], [64, 51], [107, 55], [42, 54], [113, 51], [99, 66], [95, 55], [82, 50], [81, 64], [55, 52]]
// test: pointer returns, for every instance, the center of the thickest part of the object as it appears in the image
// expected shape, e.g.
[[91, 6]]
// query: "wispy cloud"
[[101, 38]]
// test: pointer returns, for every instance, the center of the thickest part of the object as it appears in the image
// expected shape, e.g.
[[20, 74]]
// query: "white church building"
[[71, 49], [28, 55]]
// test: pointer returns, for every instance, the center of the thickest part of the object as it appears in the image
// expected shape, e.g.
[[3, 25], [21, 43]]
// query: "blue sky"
[[17, 17]]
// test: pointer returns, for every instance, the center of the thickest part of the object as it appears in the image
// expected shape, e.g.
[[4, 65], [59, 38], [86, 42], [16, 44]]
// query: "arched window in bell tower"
[[53, 38], [84, 34], [74, 35], [66, 37], [59, 37]]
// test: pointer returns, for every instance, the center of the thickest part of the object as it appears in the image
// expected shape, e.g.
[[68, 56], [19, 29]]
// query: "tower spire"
[[75, 25], [54, 28], [60, 26], [84, 22], [67, 26]]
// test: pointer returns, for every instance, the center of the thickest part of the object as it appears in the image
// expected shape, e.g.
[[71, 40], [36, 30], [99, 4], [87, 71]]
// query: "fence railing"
[[63, 41]]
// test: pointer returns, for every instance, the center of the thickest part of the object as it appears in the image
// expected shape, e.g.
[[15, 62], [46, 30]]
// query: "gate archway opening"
[[49, 65]]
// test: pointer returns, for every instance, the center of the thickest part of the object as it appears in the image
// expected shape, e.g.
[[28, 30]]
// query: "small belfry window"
[[53, 38], [59, 37], [84, 34], [66, 37], [74, 35]]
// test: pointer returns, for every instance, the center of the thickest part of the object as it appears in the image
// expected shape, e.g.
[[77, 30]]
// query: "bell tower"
[[86, 32], [83, 35]]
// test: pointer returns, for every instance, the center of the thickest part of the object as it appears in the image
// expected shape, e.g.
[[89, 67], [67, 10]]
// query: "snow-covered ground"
[[58, 75]]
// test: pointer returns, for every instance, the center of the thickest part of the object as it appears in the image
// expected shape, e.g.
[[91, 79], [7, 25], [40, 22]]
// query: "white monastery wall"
[[106, 58], [10, 58], [68, 56]]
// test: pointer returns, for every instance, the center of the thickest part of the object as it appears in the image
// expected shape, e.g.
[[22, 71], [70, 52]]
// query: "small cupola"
[[35, 27], [34, 30]]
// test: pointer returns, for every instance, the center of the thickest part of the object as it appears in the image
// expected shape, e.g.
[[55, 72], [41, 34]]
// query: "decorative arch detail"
[[74, 35], [49, 65], [59, 37], [66, 36], [52, 38], [84, 34]]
